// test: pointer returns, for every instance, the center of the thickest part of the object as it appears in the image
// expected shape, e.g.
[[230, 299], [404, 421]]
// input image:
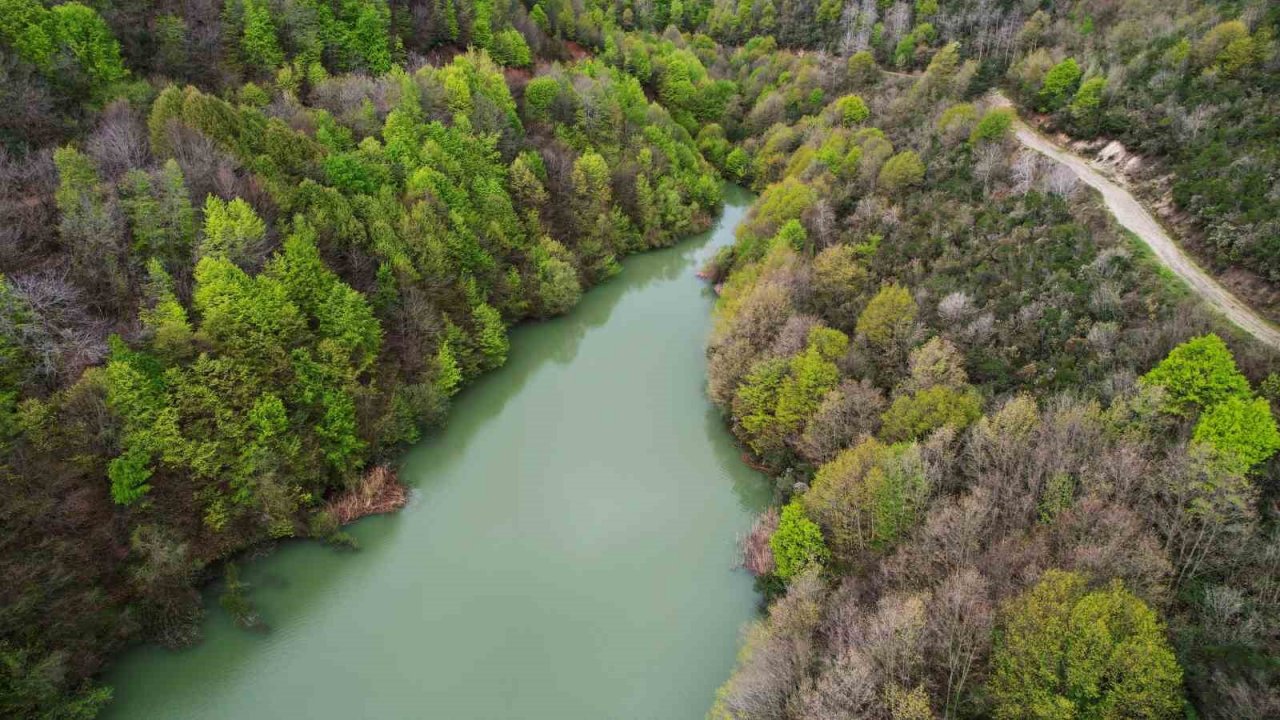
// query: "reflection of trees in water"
[[558, 339], [753, 489]]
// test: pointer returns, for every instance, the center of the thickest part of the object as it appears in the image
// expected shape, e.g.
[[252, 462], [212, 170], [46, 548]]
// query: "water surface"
[[568, 554]]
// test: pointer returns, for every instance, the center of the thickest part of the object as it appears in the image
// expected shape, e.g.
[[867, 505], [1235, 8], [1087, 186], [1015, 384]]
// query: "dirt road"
[[1132, 215]]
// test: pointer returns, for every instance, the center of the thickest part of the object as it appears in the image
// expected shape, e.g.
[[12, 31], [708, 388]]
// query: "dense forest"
[[251, 249]]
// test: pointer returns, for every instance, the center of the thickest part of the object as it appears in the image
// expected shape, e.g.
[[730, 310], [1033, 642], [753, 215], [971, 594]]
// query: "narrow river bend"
[[569, 552]]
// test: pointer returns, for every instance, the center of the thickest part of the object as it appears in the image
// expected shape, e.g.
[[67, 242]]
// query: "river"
[[568, 552]]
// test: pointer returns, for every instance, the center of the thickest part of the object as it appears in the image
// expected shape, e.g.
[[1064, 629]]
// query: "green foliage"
[[993, 127], [558, 287], [901, 171], [779, 396], [30, 686], [44, 36], [538, 96], [491, 336], [852, 110], [129, 474], [1069, 653], [448, 374], [1087, 103], [889, 318], [1196, 374], [862, 68], [797, 543], [1059, 85], [232, 230], [259, 45], [1242, 431], [161, 218], [921, 412], [510, 49], [868, 496]]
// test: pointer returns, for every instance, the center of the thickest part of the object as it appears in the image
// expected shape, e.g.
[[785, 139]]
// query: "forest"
[[250, 250]]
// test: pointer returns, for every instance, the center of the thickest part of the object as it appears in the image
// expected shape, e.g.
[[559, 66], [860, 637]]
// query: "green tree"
[[82, 32], [558, 287], [921, 412], [993, 126], [232, 230], [1059, 84], [862, 68], [259, 45], [868, 496], [129, 474], [1196, 374], [1068, 653], [163, 316], [888, 321], [491, 335], [852, 110], [88, 224], [901, 171], [1241, 430], [1087, 103], [797, 543], [161, 217], [510, 49], [539, 94], [448, 373]]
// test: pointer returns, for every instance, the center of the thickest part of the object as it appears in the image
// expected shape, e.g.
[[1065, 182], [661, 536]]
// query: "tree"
[[1086, 104], [259, 45], [851, 110], [1059, 84], [779, 395], [868, 496], [129, 474], [82, 32], [161, 217], [232, 230], [1069, 653], [901, 171], [811, 374], [491, 335], [368, 36], [89, 225], [558, 287], [921, 412], [1196, 374], [862, 68], [993, 126], [510, 49], [797, 543], [888, 321], [1241, 430]]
